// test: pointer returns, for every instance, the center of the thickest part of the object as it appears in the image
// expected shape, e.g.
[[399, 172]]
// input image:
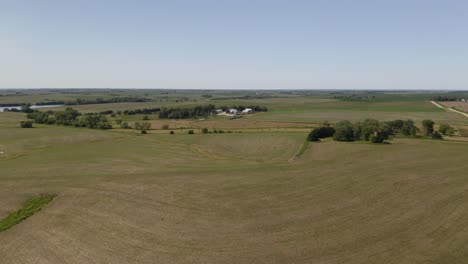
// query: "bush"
[[26, 124], [145, 117], [205, 130], [142, 125], [436, 135], [143, 132], [104, 125], [190, 132], [172, 132], [124, 124], [445, 129]]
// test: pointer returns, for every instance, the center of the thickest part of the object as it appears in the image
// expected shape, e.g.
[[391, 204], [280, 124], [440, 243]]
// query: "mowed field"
[[237, 197], [461, 106]]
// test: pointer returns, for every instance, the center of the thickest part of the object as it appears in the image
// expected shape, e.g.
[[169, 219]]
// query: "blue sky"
[[238, 44]]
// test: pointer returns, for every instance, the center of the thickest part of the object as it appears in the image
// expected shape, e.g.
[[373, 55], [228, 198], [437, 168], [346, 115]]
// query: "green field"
[[238, 197]]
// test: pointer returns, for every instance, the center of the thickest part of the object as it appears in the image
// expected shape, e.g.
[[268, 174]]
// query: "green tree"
[[427, 127], [344, 131], [367, 128], [408, 128], [321, 132], [446, 129], [26, 108]]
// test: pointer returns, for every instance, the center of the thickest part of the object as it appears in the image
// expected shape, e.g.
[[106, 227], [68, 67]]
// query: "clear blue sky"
[[236, 44]]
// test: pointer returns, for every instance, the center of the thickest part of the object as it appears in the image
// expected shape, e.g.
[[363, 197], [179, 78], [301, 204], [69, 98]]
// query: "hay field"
[[461, 106], [238, 197]]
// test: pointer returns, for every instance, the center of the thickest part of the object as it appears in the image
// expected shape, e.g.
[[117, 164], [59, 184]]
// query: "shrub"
[[205, 130], [172, 132], [142, 125], [436, 135], [190, 132], [26, 124], [104, 125], [143, 132], [446, 129], [145, 117], [124, 124]]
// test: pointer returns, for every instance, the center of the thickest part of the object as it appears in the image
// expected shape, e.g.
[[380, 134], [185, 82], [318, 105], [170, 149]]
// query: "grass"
[[31, 206], [236, 197]]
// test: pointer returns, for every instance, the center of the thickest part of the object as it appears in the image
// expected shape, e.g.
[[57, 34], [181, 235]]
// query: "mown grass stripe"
[[29, 208]]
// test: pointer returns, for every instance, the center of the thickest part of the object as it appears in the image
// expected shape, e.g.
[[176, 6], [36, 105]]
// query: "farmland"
[[461, 106], [238, 196]]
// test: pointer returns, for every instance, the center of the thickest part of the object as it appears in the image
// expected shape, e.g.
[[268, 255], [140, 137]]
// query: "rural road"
[[450, 109]]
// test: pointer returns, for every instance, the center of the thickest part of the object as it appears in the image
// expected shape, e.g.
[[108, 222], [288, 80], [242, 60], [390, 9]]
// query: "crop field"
[[461, 106], [256, 194]]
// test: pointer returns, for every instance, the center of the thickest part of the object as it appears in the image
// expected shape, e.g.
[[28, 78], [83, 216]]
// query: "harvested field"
[[260, 196]]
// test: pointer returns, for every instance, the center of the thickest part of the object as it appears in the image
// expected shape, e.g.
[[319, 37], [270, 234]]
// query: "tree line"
[[82, 101], [445, 98], [70, 117], [375, 131], [189, 112]]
